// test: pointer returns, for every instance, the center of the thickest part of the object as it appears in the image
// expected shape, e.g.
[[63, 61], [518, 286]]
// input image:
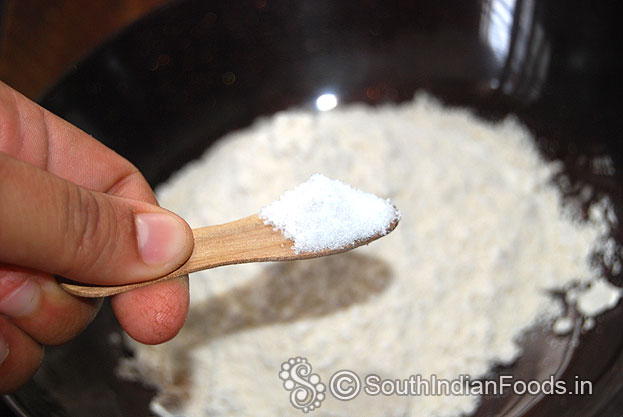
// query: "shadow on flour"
[[290, 291], [284, 292]]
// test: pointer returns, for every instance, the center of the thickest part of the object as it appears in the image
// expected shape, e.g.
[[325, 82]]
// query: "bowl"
[[164, 89]]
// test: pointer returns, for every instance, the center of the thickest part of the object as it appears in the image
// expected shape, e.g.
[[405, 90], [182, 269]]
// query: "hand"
[[72, 207]]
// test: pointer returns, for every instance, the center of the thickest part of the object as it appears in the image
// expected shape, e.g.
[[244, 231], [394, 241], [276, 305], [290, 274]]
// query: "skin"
[[68, 206]]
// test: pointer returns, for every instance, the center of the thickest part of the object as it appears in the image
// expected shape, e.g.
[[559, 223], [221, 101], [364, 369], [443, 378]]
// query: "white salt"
[[323, 214]]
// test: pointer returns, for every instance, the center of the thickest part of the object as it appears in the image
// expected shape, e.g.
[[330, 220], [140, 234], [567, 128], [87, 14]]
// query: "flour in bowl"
[[483, 239]]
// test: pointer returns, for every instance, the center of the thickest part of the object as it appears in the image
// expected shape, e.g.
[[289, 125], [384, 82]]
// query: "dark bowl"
[[164, 89]]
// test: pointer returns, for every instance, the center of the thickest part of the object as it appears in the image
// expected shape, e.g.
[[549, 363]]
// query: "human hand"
[[71, 206]]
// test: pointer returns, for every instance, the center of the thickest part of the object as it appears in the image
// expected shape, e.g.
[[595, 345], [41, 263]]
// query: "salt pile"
[[323, 214]]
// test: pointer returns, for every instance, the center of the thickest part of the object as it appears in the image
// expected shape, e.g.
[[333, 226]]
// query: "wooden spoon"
[[241, 241]]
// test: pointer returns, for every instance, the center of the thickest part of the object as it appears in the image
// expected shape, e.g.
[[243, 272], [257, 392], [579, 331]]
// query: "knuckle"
[[90, 227]]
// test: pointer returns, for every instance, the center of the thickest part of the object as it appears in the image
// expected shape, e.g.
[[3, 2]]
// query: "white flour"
[[563, 325], [598, 298], [482, 239]]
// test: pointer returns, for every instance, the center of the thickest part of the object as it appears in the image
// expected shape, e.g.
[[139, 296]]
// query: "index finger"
[[34, 135], [30, 133]]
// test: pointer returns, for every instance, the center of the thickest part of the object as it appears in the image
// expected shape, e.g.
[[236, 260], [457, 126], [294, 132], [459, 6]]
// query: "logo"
[[345, 385], [306, 390]]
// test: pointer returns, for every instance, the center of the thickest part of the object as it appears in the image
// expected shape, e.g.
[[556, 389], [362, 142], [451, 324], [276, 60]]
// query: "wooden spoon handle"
[[240, 241]]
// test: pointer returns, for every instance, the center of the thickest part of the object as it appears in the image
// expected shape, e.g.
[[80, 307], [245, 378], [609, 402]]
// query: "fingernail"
[[161, 238], [4, 348], [23, 301]]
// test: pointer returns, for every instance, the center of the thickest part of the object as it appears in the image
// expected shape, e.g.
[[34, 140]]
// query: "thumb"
[[52, 225]]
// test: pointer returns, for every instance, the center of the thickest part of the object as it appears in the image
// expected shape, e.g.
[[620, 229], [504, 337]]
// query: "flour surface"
[[482, 240]]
